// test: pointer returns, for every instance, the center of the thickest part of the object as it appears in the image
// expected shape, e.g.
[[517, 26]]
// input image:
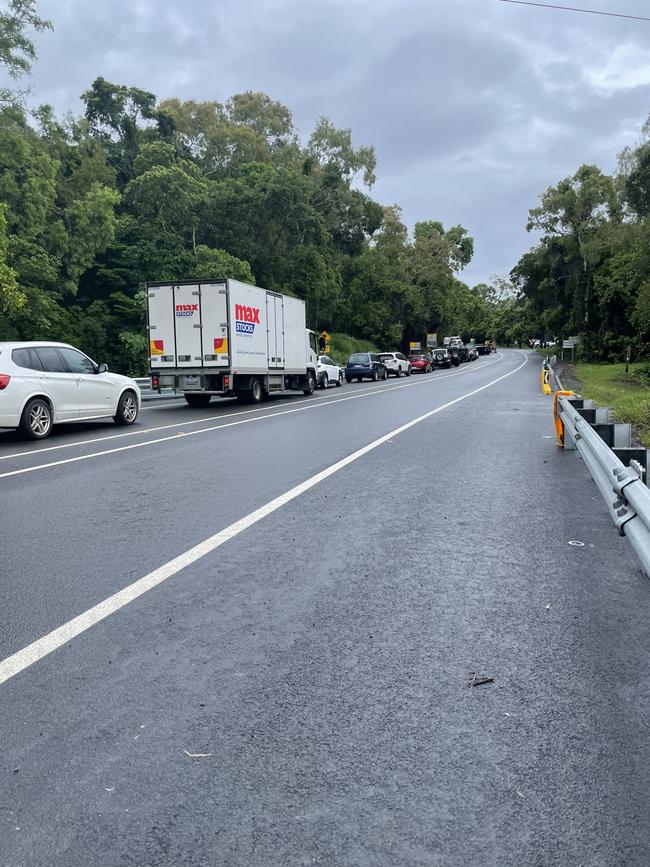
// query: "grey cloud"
[[474, 106]]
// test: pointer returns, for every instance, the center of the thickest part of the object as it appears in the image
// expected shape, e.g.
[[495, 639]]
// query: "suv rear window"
[[50, 359], [359, 358]]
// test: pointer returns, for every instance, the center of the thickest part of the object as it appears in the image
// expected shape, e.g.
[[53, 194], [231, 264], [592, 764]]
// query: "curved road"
[[244, 636]]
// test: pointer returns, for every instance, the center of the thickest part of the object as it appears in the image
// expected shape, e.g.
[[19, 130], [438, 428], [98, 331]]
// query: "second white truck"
[[224, 337]]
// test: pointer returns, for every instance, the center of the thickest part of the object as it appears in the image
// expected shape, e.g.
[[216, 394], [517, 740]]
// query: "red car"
[[420, 364]]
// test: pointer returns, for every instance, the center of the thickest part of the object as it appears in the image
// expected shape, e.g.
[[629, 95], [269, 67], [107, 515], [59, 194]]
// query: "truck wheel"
[[197, 399], [256, 392], [311, 383]]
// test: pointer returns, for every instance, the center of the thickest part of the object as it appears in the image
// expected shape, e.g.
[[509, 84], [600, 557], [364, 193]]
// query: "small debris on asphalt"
[[197, 755], [478, 679], [521, 795], [576, 543], [548, 607]]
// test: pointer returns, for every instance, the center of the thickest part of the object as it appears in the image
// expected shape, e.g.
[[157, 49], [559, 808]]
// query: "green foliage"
[[17, 52], [627, 394], [343, 345], [92, 208], [590, 272]]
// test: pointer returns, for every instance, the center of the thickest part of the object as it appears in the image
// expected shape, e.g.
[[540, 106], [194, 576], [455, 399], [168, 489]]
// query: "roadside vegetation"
[[627, 394], [141, 188], [343, 345]]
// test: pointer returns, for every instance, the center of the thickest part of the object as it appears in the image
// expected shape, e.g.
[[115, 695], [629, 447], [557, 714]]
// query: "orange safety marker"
[[559, 426]]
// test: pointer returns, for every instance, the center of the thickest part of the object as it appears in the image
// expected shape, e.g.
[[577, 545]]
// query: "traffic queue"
[[380, 365]]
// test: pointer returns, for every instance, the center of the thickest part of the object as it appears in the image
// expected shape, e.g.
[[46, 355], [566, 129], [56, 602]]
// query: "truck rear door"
[[214, 324], [189, 351], [162, 340], [275, 332]]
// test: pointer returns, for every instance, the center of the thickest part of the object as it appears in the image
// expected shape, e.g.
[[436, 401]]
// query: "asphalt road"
[[294, 691]]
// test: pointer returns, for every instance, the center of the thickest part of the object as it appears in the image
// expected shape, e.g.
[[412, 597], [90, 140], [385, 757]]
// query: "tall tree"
[[17, 51]]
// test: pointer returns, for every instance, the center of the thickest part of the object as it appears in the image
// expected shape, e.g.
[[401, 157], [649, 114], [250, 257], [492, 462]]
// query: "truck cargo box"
[[225, 324]]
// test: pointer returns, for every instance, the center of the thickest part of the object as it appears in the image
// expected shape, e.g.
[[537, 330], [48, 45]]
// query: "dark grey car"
[[365, 365]]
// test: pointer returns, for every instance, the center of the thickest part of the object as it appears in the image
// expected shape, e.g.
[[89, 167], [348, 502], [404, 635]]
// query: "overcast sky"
[[474, 107]]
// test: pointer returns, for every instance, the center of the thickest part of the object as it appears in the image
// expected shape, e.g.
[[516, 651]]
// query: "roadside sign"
[[324, 342], [415, 345], [432, 341], [570, 342]]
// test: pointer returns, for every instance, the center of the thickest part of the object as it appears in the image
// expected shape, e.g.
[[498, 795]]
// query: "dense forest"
[[139, 188]]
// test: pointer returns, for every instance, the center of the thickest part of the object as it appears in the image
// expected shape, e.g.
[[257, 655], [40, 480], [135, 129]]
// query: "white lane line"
[[194, 421], [40, 648], [316, 404]]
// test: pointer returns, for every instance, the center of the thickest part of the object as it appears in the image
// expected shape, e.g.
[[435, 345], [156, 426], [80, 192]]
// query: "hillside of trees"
[[589, 274], [138, 189]]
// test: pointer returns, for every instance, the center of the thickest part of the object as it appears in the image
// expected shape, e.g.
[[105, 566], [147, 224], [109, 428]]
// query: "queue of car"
[[377, 366], [45, 383]]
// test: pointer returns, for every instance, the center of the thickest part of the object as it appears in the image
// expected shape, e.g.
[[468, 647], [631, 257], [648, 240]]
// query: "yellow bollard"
[[546, 380], [559, 427]]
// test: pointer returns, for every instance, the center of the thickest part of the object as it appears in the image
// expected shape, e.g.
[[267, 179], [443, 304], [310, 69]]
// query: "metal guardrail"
[[626, 495]]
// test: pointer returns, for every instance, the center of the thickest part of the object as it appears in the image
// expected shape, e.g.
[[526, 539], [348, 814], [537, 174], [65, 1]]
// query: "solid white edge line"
[[315, 404], [47, 644]]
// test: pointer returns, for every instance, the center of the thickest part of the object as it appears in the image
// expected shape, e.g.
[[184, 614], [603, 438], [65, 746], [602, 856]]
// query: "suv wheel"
[[36, 420], [374, 376], [127, 409]]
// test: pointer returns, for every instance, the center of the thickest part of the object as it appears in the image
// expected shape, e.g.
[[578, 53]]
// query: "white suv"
[[328, 372], [395, 363], [43, 383]]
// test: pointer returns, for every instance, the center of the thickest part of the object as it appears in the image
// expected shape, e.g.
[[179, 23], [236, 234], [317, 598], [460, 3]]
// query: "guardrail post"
[[622, 435]]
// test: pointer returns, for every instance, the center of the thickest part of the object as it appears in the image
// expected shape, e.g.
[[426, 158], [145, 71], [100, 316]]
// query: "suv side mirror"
[[103, 367]]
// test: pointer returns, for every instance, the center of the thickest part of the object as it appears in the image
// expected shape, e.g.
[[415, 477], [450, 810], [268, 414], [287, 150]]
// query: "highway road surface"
[[244, 636]]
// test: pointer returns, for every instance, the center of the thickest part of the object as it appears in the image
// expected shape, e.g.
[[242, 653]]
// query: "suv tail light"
[[4, 380]]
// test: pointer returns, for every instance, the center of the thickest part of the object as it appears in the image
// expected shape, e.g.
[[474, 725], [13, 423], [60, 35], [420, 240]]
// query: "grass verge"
[[609, 385]]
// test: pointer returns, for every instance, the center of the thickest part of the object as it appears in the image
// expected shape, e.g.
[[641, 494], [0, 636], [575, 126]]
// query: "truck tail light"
[[4, 380], [226, 382], [155, 382]]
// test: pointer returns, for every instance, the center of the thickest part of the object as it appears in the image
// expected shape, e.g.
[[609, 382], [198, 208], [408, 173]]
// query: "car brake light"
[[4, 380]]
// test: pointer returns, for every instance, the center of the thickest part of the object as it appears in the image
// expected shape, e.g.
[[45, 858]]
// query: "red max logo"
[[247, 314], [186, 308]]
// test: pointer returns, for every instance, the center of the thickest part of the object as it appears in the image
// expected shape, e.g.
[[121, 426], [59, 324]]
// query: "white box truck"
[[223, 337]]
